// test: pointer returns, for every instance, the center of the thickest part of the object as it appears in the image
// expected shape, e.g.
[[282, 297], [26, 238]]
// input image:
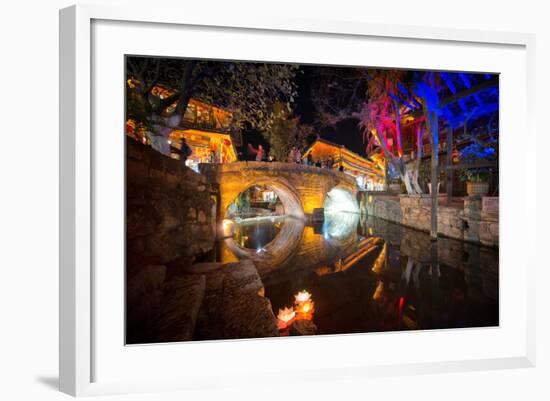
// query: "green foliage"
[[473, 153], [285, 132], [248, 90], [243, 202], [474, 175]]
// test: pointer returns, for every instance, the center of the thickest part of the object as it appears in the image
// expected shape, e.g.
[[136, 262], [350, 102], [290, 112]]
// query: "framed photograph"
[[285, 200]]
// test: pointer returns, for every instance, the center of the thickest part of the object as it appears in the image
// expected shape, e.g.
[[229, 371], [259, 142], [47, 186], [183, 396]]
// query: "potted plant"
[[477, 179], [425, 174], [477, 183]]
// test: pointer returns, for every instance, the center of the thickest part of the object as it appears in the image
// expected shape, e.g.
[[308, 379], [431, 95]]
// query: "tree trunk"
[[407, 181], [415, 184], [398, 129], [416, 169], [434, 164], [448, 171], [397, 163]]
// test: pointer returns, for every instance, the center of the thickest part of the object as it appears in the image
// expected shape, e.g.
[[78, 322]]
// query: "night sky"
[[346, 133]]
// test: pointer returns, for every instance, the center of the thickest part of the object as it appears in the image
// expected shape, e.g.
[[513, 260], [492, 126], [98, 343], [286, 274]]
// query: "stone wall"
[[468, 222], [169, 208], [388, 209], [170, 219]]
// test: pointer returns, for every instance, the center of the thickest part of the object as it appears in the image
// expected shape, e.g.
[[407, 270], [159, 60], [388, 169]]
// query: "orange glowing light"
[[228, 227], [304, 310], [305, 307], [378, 291]]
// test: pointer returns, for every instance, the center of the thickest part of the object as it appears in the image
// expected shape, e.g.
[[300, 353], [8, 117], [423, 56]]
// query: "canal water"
[[369, 275]]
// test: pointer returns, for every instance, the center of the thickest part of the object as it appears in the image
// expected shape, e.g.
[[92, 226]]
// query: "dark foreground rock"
[[183, 298], [234, 305], [303, 328], [205, 301], [144, 297]]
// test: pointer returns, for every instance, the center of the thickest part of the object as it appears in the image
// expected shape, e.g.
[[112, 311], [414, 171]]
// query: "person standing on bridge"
[[184, 151], [261, 153], [330, 162], [297, 155], [292, 155]]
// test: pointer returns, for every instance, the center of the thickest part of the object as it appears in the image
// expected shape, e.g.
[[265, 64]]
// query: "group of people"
[[325, 163], [296, 157]]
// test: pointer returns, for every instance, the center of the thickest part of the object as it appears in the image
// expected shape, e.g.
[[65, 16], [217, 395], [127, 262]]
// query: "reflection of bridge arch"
[[303, 188], [298, 245], [275, 252]]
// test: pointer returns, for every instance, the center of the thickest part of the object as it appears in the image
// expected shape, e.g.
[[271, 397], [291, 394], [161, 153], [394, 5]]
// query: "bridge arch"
[[341, 198], [303, 188], [284, 191]]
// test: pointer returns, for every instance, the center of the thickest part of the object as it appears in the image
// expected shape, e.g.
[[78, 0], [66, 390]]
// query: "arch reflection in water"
[[279, 243], [269, 241], [256, 233], [340, 226]]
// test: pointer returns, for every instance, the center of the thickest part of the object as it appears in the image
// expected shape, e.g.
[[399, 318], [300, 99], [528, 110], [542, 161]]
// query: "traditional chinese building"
[[205, 128], [369, 174], [206, 146]]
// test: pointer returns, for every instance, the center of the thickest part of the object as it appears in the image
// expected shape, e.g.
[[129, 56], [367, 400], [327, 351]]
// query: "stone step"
[[246, 312]]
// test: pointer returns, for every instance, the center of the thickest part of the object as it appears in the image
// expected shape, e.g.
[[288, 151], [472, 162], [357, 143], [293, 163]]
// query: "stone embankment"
[[170, 210], [466, 219]]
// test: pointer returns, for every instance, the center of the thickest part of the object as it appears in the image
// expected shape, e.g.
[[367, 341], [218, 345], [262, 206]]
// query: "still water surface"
[[367, 274]]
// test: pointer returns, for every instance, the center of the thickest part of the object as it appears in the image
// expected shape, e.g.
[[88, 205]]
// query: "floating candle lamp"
[[285, 317], [302, 296], [304, 310], [303, 305]]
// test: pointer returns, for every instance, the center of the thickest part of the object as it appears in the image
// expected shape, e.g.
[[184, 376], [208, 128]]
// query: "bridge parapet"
[[273, 167], [301, 188]]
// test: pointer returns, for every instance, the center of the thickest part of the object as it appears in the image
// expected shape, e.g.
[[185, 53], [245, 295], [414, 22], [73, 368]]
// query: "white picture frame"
[[79, 349]]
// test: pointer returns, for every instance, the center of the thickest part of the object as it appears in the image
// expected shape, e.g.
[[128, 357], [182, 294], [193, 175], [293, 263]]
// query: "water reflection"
[[258, 232], [371, 275], [340, 226]]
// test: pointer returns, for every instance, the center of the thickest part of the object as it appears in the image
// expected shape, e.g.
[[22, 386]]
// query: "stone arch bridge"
[[301, 188]]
